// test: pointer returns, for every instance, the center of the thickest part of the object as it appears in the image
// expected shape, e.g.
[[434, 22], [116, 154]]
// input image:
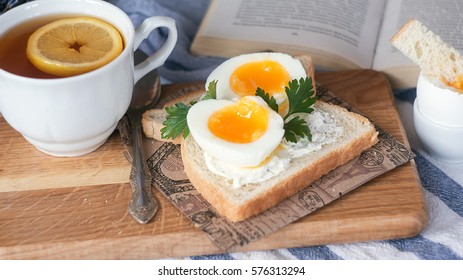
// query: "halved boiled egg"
[[242, 75], [242, 133]]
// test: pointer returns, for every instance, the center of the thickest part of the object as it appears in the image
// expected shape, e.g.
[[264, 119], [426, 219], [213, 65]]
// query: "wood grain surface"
[[76, 208]]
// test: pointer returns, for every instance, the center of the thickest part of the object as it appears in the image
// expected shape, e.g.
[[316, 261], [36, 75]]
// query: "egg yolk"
[[269, 75], [457, 83], [243, 122]]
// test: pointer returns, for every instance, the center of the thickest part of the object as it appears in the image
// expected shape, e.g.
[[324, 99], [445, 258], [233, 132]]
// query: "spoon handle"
[[142, 205]]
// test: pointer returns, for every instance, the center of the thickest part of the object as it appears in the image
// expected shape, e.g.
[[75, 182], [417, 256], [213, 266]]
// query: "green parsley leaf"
[[270, 100], [175, 122], [296, 127], [300, 96], [211, 92]]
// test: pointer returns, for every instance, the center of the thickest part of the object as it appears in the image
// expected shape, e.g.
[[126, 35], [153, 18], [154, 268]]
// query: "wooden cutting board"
[[76, 208]]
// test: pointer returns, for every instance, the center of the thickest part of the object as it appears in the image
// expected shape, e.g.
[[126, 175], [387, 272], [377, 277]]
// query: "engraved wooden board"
[[76, 208]]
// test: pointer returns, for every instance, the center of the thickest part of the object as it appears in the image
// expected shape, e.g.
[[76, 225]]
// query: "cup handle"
[[159, 57]]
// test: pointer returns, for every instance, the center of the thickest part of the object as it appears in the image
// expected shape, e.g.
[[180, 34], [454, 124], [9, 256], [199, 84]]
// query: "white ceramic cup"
[[73, 116]]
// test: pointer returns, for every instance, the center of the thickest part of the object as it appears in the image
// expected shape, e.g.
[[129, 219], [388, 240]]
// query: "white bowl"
[[439, 103], [445, 143]]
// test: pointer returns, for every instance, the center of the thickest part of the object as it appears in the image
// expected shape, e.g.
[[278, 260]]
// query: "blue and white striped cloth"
[[442, 183]]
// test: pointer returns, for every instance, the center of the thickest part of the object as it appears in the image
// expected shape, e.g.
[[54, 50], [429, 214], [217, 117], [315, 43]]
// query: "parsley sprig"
[[175, 122], [301, 97], [270, 100], [211, 92]]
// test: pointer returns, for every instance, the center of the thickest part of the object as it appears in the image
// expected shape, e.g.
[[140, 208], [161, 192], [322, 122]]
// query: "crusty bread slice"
[[152, 119], [237, 204], [427, 50]]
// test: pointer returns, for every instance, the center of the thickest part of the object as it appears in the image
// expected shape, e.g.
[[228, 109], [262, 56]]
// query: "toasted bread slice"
[[237, 204], [427, 50], [152, 119]]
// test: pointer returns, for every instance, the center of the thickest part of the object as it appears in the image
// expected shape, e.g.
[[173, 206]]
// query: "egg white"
[[240, 155], [223, 72]]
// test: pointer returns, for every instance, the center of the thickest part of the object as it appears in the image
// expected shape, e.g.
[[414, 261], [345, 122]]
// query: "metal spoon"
[[142, 205]]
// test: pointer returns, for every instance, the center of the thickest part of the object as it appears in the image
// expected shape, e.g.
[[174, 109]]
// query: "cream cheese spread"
[[324, 131]]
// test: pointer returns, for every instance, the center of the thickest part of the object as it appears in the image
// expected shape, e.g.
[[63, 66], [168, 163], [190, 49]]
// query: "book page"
[[442, 17], [346, 28]]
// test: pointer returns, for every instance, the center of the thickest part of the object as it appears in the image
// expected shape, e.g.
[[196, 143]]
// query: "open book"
[[338, 34]]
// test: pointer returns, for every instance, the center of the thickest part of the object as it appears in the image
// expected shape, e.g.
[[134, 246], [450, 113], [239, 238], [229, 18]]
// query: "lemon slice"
[[73, 46]]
